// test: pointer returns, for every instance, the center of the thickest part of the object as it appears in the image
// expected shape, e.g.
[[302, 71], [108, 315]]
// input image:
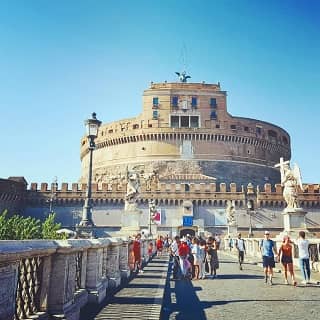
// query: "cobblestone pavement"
[[240, 294]]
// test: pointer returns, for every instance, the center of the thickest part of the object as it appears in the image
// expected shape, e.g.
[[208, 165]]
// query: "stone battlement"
[[169, 187]]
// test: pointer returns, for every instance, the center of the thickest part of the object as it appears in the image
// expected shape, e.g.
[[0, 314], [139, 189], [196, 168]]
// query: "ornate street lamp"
[[92, 127], [250, 211], [152, 210]]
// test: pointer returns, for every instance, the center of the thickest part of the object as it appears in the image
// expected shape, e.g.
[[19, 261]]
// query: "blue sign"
[[187, 221]]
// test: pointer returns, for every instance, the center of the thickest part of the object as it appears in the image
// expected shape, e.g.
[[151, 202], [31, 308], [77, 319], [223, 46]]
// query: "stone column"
[[8, 287], [124, 260], [113, 262], [61, 298], [96, 283]]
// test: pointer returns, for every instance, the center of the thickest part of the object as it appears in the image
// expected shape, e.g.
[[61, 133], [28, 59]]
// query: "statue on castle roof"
[[183, 76], [290, 180]]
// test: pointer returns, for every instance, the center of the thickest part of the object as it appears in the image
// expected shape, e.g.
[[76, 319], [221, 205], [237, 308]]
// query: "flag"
[[156, 217]]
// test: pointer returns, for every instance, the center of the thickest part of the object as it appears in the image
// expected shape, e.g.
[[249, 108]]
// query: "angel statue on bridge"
[[230, 210], [290, 180], [133, 187]]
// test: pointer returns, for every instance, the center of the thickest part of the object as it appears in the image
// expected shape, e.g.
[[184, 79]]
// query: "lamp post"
[[92, 127], [53, 195], [151, 213], [250, 210]]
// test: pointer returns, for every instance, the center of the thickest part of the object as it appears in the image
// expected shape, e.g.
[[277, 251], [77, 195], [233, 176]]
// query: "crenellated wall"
[[170, 193]]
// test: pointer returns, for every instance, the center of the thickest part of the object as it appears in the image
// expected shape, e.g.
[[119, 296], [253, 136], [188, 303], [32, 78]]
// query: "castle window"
[[135, 126], [174, 122], [218, 126], [194, 102], [246, 129], [213, 102], [174, 102], [213, 115], [272, 134], [258, 130], [110, 131], [233, 127], [155, 114], [185, 122], [194, 122], [285, 140], [155, 102]]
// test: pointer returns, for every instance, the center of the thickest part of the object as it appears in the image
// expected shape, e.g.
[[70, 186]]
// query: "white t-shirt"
[[303, 246], [240, 244]]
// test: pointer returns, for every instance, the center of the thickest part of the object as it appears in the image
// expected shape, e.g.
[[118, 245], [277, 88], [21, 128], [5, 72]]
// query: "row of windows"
[[175, 102], [184, 121], [187, 121]]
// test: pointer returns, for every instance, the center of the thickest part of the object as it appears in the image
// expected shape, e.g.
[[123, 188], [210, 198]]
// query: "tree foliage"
[[17, 227]]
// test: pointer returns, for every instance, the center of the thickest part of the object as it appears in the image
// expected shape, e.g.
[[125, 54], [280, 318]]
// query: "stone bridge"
[[91, 279]]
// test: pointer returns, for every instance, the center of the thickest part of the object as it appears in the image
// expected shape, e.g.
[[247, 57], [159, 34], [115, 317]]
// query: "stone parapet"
[[61, 275]]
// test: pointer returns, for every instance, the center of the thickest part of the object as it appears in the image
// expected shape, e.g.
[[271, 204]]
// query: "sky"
[[62, 60]]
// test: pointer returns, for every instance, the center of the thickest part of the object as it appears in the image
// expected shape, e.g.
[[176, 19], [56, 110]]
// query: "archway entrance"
[[183, 231]]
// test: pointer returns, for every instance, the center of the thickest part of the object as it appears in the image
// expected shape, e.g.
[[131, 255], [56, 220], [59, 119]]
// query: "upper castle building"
[[189, 121]]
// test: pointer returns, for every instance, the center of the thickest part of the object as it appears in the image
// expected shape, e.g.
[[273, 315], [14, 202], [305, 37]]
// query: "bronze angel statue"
[[183, 76]]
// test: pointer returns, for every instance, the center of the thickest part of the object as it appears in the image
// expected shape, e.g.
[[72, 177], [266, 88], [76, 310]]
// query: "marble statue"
[[133, 189], [290, 180], [230, 210]]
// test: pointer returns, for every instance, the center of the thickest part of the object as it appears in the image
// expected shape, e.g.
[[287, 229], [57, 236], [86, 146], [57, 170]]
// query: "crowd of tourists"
[[197, 257], [194, 257]]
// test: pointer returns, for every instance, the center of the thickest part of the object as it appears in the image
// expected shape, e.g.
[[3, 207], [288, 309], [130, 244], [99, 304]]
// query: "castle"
[[194, 157]]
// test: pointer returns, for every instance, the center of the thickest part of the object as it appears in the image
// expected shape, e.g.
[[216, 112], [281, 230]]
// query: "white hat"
[[266, 232]]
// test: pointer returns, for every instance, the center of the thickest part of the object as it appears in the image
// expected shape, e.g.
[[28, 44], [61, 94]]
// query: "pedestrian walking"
[[241, 247], [285, 254], [202, 259], [304, 261], [174, 252], [195, 250], [185, 265], [230, 243], [212, 260], [137, 253], [268, 250], [159, 245]]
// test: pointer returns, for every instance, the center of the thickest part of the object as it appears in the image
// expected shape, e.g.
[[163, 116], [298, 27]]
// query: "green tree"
[[50, 228], [18, 227]]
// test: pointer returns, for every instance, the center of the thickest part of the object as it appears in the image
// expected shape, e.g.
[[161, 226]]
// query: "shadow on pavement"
[[181, 302]]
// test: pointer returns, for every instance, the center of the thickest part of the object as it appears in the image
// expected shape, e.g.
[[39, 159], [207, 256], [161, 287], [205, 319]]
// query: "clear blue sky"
[[61, 60]]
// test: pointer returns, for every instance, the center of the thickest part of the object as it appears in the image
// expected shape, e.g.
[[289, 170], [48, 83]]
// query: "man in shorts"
[[268, 250], [240, 245]]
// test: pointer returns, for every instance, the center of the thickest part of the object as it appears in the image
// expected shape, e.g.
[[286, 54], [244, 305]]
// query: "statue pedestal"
[[294, 220], [233, 231], [130, 222]]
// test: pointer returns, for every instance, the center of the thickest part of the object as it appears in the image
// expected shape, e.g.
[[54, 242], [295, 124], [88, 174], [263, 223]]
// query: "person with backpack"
[[268, 250], [241, 247]]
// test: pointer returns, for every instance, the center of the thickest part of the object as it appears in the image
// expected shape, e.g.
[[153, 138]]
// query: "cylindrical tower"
[[185, 129]]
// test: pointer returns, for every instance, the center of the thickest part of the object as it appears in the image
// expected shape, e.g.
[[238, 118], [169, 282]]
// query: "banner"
[[156, 217]]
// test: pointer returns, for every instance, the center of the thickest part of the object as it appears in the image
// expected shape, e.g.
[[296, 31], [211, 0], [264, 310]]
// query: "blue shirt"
[[267, 245]]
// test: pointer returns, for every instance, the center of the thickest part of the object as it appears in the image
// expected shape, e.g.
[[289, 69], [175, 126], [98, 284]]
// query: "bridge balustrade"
[[43, 279]]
